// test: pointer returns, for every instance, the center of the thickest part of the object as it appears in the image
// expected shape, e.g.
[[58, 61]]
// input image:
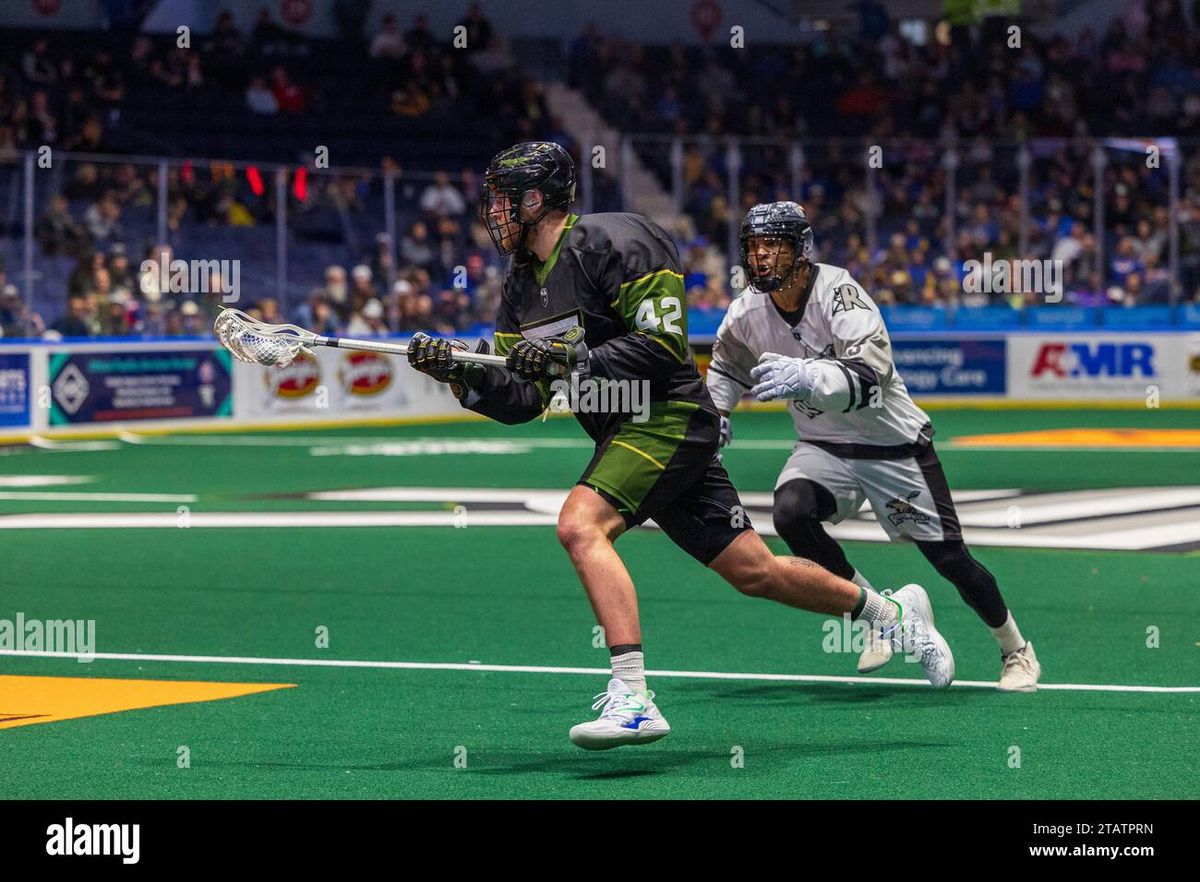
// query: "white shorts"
[[910, 496]]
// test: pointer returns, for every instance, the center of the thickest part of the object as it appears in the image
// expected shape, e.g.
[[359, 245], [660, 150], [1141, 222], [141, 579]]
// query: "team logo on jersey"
[[545, 297], [807, 409], [903, 510], [552, 326], [846, 298]]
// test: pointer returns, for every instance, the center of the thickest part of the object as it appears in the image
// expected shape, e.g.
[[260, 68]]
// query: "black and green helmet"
[[532, 165]]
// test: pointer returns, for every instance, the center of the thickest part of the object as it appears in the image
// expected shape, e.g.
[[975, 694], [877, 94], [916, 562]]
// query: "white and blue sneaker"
[[627, 717], [917, 638]]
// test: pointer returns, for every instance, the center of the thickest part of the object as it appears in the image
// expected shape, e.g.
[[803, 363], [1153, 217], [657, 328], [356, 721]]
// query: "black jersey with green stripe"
[[619, 276]]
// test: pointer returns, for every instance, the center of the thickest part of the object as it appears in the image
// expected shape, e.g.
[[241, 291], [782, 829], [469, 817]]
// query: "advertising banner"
[[14, 389], [1102, 366], [1192, 374], [951, 367], [932, 365], [145, 383], [339, 384]]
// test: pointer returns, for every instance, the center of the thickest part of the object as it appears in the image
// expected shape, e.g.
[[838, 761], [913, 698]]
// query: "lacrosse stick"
[[257, 342]]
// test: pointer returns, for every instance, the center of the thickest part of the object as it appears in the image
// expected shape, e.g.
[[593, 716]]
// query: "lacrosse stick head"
[[257, 342]]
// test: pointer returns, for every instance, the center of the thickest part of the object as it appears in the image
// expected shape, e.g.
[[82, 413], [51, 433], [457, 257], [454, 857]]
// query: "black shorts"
[[666, 469]]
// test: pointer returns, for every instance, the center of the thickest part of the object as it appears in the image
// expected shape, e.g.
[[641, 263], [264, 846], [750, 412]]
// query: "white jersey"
[[859, 402]]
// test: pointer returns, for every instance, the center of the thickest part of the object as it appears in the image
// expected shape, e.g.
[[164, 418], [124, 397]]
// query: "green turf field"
[[479, 600]]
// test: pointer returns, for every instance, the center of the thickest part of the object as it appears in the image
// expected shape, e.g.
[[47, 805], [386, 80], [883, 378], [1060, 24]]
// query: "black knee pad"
[[800, 506], [802, 499]]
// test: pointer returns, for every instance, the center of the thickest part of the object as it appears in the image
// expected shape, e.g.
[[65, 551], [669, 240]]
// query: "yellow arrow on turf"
[[28, 700], [1085, 438]]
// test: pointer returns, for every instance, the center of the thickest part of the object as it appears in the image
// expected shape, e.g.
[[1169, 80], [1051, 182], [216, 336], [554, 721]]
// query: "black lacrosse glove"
[[433, 357], [549, 357]]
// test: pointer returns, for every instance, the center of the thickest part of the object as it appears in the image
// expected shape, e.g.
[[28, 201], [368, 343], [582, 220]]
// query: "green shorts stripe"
[[629, 464], [667, 469]]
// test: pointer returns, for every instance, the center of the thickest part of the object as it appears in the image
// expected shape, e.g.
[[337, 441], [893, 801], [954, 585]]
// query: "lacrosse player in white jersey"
[[808, 333]]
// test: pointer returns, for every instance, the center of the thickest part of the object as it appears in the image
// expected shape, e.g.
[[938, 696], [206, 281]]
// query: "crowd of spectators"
[[1141, 75], [443, 273], [49, 94], [437, 274], [970, 92], [67, 94], [966, 90]]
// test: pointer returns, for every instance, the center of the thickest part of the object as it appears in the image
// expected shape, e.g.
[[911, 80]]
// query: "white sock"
[[1008, 636], [860, 580], [879, 610], [629, 668]]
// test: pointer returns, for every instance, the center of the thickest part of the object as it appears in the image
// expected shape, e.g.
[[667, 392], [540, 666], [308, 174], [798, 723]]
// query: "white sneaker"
[[878, 651], [628, 717], [1019, 671], [916, 636], [877, 654]]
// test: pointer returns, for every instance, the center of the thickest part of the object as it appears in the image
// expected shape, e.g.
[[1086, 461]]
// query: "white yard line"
[[1052, 508], [43, 480], [333, 440], [68, 446], [271, 520], [51, 496], [549, 669], [542, 510]]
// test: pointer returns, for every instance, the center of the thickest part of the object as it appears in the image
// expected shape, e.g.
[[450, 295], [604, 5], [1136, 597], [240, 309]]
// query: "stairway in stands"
[[645, 193]]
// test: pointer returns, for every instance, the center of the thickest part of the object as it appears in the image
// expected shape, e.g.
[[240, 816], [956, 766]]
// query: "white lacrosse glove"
[[781, 377]]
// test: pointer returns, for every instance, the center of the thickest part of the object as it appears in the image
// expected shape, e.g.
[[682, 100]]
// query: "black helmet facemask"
[[779, 224], [514, 173], [780, 273], [507, 226]]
